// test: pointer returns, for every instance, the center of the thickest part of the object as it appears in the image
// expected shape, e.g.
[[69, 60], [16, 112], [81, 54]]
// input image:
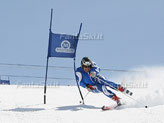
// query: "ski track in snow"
[[22, 104]]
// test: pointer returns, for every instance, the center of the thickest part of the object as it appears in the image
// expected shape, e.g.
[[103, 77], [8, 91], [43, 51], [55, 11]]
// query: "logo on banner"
[[65, 47]]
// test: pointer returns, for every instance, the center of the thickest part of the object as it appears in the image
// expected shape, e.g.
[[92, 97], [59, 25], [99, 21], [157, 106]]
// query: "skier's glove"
[[92, 74], [90, 87]]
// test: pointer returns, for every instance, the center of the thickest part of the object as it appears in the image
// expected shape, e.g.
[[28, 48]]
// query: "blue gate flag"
[[62, 45]]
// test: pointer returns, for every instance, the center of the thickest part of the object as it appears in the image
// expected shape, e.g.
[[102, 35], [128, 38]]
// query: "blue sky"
[[133, 33]]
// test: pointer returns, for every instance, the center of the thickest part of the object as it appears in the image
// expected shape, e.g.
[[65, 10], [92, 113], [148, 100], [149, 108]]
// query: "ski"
[[112, 107], [105, 108]]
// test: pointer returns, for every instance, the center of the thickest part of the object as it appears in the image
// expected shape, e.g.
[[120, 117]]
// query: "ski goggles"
[[86, 66], [87, 63]]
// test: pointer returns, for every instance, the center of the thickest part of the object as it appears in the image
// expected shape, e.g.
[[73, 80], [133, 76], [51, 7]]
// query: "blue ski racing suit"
[[99, 83]]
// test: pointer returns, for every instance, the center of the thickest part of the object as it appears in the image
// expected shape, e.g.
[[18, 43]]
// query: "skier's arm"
[[95, 70], [79, 78]]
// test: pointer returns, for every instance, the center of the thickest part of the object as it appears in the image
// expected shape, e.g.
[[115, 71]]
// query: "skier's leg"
[[118, 87], [96, 89], [111, 84], [115, 86], [103, 80], [109, 93]]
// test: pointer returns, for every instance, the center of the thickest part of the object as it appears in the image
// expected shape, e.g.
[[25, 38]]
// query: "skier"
[[88, 77]]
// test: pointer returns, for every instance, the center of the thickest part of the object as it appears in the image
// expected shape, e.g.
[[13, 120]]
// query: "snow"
[[24, 104]]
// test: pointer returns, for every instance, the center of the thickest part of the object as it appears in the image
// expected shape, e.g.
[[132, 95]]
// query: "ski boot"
[[117, 99]]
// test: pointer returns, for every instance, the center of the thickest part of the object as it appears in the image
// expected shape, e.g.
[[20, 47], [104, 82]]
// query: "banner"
[[62, 45]]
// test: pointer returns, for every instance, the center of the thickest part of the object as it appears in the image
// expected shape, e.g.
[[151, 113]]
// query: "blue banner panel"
[[62, 45], [5, 82]]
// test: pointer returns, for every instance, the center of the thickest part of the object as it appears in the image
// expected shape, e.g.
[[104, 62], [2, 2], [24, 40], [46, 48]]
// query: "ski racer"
[[88, 77]]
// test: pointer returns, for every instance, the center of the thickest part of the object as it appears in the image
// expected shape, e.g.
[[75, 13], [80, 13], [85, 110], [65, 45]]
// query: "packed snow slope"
[[24, 104]]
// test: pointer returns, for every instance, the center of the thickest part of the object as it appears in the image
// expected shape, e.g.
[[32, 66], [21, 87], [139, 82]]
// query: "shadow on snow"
[[25, 109], [77, 107]]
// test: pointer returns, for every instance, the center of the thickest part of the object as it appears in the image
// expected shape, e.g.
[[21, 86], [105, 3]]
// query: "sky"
[[132, 33]]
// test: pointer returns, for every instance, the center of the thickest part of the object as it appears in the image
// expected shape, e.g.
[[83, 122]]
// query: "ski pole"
[[84, 98], [137, 101], [124, 94]]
